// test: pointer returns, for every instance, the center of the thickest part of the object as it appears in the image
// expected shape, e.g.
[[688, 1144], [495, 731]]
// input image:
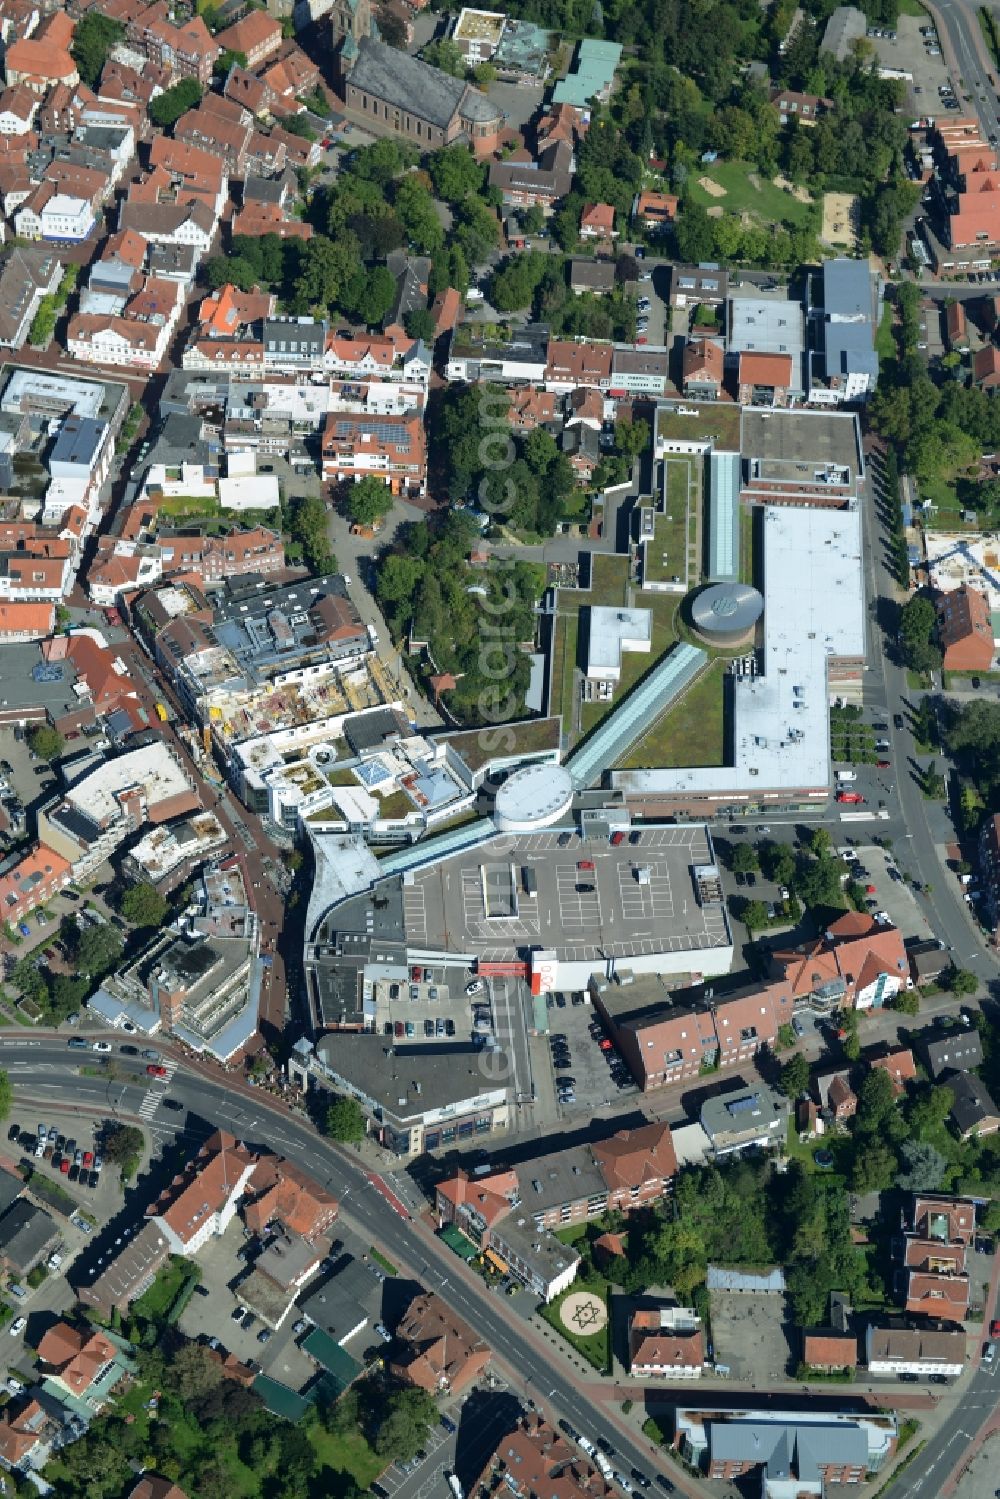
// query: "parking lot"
[[750, 1336], [481, 1417], [893, 896], [600, 1077], [909, 53]]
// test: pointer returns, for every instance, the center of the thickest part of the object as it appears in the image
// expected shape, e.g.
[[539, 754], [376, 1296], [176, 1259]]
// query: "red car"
[[854, 797], [155, 1070], [995, 1329], [585, 864], [616, 839], [605, 1045], [65, 1164], [88, 1158], [882, 764]]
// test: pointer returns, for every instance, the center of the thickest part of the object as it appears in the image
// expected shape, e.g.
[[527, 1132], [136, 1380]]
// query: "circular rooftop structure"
[[533, 797], [724, 614]]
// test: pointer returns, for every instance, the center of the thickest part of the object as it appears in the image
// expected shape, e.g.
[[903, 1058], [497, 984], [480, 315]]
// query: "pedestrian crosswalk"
[[157, 1091]]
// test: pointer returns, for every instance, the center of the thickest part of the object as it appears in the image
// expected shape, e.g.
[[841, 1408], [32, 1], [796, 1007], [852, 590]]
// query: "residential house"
[[280, 1191], [638, 372], [441, 1354], [258, 219], [38, 875], [50, 215], [597, 221], [973, 1112], [916, 1351], [186, 224], [836, 1095], [927, 960], [965, 629], [27, 1236], [188, 49], [934, 1268], [805, 108], [955, 327], [250, 92], [446, 310], [130, 1273], [150, 1486], [803, 1451], [531, 408], [986, 367], [571, 364], [858, 962], [703, 368], [257, 37], [202, 1200], [138, 336], [656, 212], [525, 181], [698, 286], [392, 448], [25, 1436], [581, 445], [544, 1461], [765, 379], [27, 276], [958, 1049], [86, 1365], [595, 276], [752, 1118], [18, 106], [830, 1351], [21, 622], [665, 1342], [899, 1064]]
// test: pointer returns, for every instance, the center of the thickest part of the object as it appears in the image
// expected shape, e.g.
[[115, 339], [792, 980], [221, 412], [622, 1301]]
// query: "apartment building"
[[257, 37], [36, 878], [188, 50], [392, 448], [201, 1202]]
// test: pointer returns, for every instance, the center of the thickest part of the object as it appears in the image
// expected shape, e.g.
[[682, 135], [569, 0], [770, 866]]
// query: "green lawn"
[[157, 1301], [666, 556], [596, 1349], [608, 583], [348, 1453], [691, 732], [569, 630], [885, 343], [767, 203], [719, 420], [944, 494], [747, 549], [911, 8]]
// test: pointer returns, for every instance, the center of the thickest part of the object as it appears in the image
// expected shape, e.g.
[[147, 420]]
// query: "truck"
[[844, 776], [603, 1464], [455, 1486]]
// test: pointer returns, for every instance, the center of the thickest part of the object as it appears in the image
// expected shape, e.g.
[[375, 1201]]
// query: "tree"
[[745, 859], [794, 1077], [325, 270], [193, 1372], [98, 950], [924, 1168], [404, 1421], [753, 915], [45, 742], [778, 862], [419, 323], [370, 293], [906, 1001], [28, 981], [93, 39], [456, 173], [873, 1168], [123, 1144], [959, 980], [918, 633], [368, 501], [143, 905], [820, 842], [298, 125], [446, 55], [345, 1121], [166, 108]]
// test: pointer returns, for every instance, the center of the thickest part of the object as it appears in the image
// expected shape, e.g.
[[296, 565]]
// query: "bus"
[[455, 1486]]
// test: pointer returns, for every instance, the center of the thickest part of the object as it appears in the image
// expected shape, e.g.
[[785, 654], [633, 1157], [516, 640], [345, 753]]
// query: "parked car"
[[155, 1069], [17, 1326]]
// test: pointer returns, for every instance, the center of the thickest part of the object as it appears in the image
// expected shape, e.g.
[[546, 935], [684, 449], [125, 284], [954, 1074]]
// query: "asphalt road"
[[958, 24], [925, 1478]]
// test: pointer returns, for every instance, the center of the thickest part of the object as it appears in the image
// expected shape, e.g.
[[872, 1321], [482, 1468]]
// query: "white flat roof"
[[813, 610], [154, 767], [614, 630]]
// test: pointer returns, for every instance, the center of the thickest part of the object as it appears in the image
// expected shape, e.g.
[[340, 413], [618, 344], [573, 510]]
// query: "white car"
[[476, 987], [17, 1326], [102, 1045], [15, 1386], [54, 1261]]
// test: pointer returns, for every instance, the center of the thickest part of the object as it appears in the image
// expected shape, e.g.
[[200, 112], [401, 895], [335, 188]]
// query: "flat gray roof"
[[812, 438], [388, 1072], [470, 903]]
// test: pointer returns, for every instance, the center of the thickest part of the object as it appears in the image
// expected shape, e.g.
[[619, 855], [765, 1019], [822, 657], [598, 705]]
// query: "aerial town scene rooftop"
[[499, 750]]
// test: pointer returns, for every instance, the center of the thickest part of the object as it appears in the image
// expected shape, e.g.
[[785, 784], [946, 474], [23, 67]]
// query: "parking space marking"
[[577, 908], [654, 901], [415, 913], [480, 927]]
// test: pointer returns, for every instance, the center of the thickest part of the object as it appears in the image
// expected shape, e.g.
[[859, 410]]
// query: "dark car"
[[880, 728], [93, 1177], [129, 1051], [640, 1478], [449, 1425], [897, 719], [74, 1172], [171, 1103], [14, 1132], [605, 1446], [665, 1484]]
